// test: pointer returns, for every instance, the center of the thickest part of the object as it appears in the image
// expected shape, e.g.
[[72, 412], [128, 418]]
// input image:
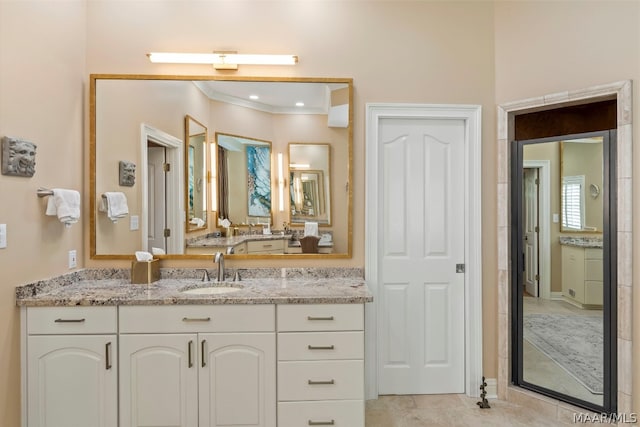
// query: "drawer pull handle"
[[203, 354], [327, 382], [196, 319], [69, 320], [190, 348], [321, 347], [321, 423], [107, 351], [320, 318]]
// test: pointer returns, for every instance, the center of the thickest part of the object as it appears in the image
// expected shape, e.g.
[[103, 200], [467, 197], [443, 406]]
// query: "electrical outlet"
[[3, 236], [73, 260]]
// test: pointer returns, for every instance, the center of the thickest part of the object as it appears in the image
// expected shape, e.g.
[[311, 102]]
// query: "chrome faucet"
[[219, 259], [205, 276]]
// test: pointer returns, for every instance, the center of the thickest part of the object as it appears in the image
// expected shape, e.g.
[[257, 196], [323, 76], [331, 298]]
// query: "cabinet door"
[[158, 380], [238, 380], [72, 381], [573, 273]]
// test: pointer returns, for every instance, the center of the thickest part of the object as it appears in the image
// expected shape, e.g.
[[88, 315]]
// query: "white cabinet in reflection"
[[582, 276]]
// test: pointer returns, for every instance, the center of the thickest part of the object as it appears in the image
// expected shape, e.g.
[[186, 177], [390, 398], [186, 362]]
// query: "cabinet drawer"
[[593, 253], [593, 269], [593, 292], [189, 318], [72, 320], [336, 413], [267, 246], [321, 317], [320, 345], [325, 380]]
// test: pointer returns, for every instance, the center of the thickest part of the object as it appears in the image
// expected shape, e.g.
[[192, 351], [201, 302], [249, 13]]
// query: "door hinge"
[[537, 229], [537, 277], [459, 268], [166, 167], [167, 232]]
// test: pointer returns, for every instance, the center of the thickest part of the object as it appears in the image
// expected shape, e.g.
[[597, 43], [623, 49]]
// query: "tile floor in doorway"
[[450, 410]]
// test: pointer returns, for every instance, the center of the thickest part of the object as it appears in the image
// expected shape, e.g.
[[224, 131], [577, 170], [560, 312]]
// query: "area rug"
[[574, 342]]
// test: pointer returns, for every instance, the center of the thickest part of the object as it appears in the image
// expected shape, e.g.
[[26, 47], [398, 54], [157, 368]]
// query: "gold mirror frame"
[[93, 212]]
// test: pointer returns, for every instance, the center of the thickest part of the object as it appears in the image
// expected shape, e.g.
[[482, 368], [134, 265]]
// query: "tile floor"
[[450, 410]]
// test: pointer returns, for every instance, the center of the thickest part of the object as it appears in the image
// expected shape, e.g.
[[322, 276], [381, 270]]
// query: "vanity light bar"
[[222, 58]]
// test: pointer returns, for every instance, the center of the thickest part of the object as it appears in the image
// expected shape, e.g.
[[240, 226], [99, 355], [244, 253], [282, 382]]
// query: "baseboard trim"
[[491, 388], [556, 296]]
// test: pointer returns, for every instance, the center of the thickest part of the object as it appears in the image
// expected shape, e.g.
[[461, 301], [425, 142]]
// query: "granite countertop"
[[233, 240], [108, 287], [206, 242], [581, 242]]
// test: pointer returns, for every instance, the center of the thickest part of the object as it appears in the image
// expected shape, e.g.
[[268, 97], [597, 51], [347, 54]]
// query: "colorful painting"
[[259, 179]]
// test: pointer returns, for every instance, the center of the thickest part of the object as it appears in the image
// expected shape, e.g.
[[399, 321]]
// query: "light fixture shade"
[[221, 58]]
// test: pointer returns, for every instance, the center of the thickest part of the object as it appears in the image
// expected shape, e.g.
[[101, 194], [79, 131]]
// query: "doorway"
[[423, 249], [621, 94], [173, 200]]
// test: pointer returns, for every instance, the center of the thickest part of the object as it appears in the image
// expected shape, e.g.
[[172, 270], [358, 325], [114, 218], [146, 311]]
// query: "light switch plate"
[[3, 236], [134, 222], [73, 260]]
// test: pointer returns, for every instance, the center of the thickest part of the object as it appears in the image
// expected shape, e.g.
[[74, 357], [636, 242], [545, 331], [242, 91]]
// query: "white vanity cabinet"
[[71, 365], [321, 365], [203, 366], [582, 275]]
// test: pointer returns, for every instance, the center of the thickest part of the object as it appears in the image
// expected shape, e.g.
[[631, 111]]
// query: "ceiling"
[[273, 97]]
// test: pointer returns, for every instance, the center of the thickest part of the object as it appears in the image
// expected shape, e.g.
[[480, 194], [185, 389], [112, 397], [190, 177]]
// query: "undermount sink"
[[211, 289]]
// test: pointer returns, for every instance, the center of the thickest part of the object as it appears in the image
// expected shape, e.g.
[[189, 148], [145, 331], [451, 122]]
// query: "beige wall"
[[421, 52], [42, 94]]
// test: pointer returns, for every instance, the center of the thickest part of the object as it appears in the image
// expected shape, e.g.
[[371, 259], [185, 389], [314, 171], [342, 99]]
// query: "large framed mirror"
[[197, 174], [153, 121], [564, 268]]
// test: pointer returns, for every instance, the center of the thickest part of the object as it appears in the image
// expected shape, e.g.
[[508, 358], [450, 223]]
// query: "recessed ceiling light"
[[299, 104], [254, 97]]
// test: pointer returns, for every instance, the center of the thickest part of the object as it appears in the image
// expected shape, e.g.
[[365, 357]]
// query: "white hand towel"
[[310, 228], [115, 205], [65, 204]]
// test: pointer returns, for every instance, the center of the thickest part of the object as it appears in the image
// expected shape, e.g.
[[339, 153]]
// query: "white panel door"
[[157, 198], [422, 341], [72, 381], [237, 380], [158, 380], [531, 265]]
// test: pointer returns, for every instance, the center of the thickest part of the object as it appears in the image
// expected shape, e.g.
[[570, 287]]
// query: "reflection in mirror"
[[197, 174], [244, 179], [562, 281], [141, 119], [310, 183], [581, 182]]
